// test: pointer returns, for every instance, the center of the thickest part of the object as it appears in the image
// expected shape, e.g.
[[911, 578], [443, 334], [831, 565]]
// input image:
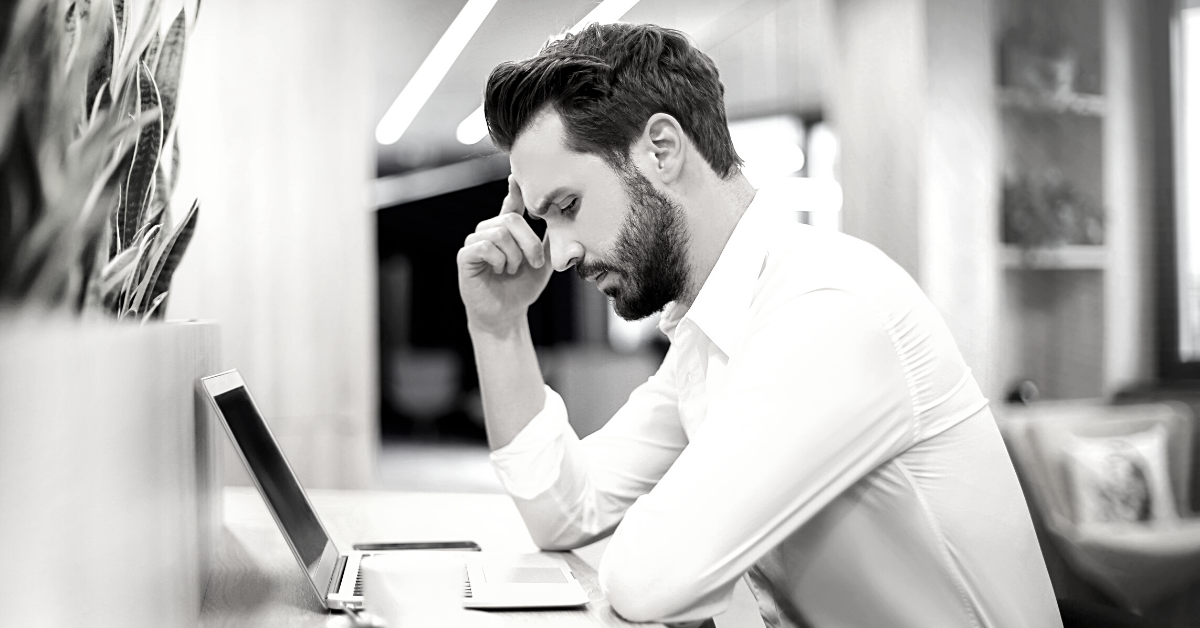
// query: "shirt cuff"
[[530, 464]]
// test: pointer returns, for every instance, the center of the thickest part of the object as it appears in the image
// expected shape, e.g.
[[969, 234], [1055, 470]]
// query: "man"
[[812, 427]]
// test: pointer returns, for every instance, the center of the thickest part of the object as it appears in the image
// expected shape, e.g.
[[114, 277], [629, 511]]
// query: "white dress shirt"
[[814, 429]]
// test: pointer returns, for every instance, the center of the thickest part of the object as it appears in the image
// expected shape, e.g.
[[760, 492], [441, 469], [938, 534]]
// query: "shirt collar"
[[723, 304]]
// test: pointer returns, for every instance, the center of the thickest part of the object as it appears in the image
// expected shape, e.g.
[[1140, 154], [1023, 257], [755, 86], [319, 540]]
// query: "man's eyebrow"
[[544, 206]]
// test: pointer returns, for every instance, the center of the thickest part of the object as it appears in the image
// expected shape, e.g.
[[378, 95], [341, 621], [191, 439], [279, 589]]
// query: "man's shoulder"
[[801, 259]]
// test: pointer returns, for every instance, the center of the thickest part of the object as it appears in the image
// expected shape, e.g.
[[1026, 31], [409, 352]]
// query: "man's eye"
[[570, 208]]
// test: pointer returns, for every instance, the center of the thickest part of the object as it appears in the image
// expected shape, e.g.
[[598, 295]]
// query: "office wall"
[[877, 101], [1129, 168], [960, 183], [276, 141], [913, 105]]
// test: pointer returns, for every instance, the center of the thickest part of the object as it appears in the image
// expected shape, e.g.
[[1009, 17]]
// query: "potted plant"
[[107, 461]]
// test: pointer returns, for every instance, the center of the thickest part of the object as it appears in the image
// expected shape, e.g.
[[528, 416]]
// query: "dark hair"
[[606, 82]]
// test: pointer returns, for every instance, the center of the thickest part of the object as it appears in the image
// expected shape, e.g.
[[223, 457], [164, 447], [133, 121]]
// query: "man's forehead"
[[541, 162]]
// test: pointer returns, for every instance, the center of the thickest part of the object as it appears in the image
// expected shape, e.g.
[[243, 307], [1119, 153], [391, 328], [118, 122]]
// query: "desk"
[[256, 581]]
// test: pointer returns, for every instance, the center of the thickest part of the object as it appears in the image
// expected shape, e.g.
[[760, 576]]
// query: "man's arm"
[[510, 380], [815, 399], [502, 270], [571, 492]]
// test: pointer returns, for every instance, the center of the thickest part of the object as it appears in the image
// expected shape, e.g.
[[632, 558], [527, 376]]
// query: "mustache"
[[586, 270]]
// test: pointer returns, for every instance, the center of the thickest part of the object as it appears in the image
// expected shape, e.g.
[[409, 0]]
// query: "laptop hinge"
[[339, 571]]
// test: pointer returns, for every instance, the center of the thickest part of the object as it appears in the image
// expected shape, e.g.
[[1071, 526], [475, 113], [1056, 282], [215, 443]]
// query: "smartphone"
[[462, 546]]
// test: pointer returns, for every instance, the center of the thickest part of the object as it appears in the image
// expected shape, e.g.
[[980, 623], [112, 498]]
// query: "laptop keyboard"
[[358, 583]]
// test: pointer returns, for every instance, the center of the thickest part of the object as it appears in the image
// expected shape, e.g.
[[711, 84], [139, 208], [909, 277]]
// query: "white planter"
[[109, 494]]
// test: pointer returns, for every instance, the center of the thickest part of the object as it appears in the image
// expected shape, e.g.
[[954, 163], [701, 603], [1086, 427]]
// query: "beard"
[[650, 254]]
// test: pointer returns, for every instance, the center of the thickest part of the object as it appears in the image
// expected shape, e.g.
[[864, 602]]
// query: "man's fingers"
[[520, 230], [482, 252], [510, 234], [503, 240], [530, 244], [514, 203]]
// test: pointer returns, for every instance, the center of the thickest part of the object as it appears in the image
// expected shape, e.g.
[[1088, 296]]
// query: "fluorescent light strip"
[[474, 128], [606, 12], [414, 95]]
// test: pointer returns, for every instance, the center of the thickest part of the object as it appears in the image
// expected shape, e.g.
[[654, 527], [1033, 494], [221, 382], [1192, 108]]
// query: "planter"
[[109, 494]]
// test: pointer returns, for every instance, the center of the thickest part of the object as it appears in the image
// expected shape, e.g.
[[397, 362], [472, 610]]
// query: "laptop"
[[491, 581]]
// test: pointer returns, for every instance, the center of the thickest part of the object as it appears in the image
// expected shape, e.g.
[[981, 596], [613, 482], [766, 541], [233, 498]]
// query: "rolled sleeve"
[[571, 492], [531, 463]]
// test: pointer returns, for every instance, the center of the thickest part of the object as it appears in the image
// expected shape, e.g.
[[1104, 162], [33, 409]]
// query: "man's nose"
[[565, 251]]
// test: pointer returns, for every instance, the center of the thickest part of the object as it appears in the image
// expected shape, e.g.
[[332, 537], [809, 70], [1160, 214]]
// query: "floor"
[[465, 468]]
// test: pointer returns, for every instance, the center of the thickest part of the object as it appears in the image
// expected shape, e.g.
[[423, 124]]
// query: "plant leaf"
[[173, 251], [168, 68], [153, 310], [135, 284], [150, 54], [118, 265], [130, 283], [126, 105], [102, 65], [19, 201], [114, 275], [120, 35], [138, 187], [164, 179], [71, 25], [172, 174], [155, 217], [89, 259], [131, 52]]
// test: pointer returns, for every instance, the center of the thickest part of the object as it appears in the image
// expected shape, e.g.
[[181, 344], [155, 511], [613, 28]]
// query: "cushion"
[[1120, 479]]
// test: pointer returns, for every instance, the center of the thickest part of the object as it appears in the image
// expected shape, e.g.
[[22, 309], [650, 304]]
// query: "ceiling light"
[[432, 71], [770, 147], [606, 12], [474, 128]]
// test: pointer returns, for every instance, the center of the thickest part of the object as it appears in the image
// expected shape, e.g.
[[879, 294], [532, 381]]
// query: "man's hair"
[[606, 82]]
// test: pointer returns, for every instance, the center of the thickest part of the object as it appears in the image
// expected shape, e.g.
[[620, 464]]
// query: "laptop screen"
[[279, 485]]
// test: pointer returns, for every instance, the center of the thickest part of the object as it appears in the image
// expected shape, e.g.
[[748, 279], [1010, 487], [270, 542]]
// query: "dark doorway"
[[429, 389]]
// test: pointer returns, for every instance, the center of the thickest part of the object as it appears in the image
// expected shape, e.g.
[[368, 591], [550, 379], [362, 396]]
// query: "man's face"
[[615, 227]]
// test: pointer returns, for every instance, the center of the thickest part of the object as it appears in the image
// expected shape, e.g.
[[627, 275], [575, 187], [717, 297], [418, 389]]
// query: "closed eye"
[[570, 208]]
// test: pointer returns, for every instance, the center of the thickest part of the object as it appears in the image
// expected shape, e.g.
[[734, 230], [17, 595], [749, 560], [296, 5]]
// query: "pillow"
[[1121, 479]]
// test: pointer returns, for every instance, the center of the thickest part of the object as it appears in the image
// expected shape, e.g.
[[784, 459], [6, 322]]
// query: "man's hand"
[[502, 267]]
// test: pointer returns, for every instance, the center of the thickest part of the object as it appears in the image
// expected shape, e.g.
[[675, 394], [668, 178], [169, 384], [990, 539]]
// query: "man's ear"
[[664, 140]]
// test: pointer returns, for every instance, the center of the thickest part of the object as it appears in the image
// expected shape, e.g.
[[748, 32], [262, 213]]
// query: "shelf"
[[1078, 104], [1074, 257]]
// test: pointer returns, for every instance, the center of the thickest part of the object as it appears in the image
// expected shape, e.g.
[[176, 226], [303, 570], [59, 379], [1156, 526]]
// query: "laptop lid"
[[271, 473]]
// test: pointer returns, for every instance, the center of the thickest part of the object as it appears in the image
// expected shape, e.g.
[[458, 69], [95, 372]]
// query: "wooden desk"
[[256, 581]]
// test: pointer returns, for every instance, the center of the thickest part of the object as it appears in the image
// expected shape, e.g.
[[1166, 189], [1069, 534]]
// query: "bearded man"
[[812, 428]]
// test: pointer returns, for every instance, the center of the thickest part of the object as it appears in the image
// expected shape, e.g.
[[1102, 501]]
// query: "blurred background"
[[1027, 162]]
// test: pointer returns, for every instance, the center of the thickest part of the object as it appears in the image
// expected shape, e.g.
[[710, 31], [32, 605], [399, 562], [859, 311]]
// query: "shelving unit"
[[1077, 104], [1053, 299], [1073, 257]]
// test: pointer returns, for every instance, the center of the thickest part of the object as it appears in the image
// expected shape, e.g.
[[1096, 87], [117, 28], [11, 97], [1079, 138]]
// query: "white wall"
[[276, 141], [912, 103], [1129, 196], [960, 186]]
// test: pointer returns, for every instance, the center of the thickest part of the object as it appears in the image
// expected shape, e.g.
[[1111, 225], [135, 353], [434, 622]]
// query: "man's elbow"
[[558, 538], [550, 542], [551, 529], [639, 593]]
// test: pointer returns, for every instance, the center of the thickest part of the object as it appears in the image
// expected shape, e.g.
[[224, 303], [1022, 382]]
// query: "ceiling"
[[771, 54]]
